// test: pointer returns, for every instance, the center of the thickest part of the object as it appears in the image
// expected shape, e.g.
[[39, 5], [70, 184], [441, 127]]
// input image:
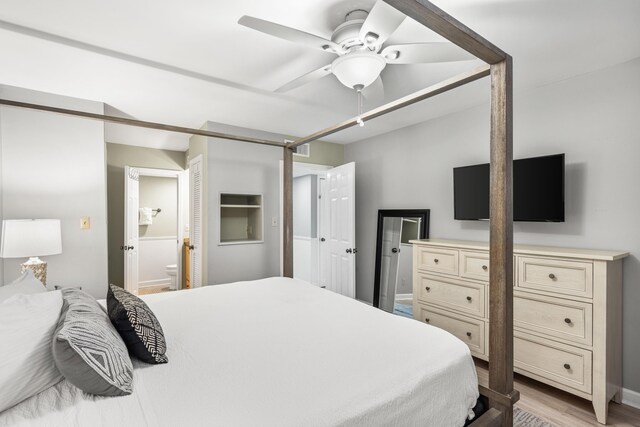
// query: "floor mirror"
[[393, 286]]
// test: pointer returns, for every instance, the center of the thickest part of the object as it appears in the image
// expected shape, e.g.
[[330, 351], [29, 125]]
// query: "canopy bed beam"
[[450, 28], [436, 89], [287, 212], [501, 239], [138, 123]]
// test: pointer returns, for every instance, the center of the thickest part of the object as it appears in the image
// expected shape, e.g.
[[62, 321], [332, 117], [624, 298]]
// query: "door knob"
[[348, 251], [122, 247], [322, 239], [191, 247], [395, 250], [130, 247]]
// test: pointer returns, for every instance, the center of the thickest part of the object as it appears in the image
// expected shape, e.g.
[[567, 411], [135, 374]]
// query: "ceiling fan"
[[359, 44]]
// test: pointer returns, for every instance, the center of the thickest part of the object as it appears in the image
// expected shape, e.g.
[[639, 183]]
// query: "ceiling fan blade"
[[382, 21], [374, 93], [290, 34], [307, 78], [420, 53]]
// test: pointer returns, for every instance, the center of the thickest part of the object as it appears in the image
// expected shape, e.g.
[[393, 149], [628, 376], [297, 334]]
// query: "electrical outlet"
[[274, 221], [85, 223]]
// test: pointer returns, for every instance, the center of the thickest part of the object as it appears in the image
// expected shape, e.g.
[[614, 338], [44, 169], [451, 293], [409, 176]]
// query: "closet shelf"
[[241, 206]]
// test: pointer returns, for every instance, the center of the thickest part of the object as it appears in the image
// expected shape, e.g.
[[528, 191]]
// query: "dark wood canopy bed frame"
[[499, 390]]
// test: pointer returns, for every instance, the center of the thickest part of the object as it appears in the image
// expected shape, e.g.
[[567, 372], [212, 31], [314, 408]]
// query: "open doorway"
[[324, 247], [156, 212]]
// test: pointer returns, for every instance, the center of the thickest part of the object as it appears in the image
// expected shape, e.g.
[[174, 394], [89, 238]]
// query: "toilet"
[[172, 270]]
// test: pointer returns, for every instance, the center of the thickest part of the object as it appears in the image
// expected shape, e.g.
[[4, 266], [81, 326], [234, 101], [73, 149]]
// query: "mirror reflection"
[[393, 289]]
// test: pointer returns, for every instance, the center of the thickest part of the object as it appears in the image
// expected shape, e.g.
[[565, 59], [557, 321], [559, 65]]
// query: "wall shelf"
[[241, 219]]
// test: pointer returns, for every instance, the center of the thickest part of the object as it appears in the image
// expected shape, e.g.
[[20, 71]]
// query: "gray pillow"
[[26, 284], [88, 350]]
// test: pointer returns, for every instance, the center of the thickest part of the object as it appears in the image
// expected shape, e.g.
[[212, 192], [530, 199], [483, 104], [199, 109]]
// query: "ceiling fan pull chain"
[[358, 89]]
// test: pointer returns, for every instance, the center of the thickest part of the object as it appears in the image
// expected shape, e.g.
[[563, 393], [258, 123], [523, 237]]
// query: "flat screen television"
[[538, 190]]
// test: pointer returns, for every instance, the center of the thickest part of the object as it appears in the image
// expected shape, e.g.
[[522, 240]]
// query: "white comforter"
[[278, 352]]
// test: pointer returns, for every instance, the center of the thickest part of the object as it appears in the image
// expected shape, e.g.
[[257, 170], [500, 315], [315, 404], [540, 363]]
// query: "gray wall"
[[1, 210], [53, 166], [323, 153], [119, 156], [592, 118], [237, 167], [305, 206]]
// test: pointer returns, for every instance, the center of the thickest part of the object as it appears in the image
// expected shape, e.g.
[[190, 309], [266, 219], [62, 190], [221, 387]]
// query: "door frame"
[[180, 226], [382, 213], [300, 169]]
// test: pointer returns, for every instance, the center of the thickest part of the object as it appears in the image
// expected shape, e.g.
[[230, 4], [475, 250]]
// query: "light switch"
[[85, 223], [274, 221]]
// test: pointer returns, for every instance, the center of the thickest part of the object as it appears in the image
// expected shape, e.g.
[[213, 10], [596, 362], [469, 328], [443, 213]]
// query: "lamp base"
[[38, 267]]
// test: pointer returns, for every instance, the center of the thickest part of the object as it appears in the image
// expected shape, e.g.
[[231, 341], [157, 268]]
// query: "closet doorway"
[[324, 249], [156, 215]]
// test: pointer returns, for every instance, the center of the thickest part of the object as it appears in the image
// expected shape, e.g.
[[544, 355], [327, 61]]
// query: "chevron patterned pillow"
[[137, 325], [88, 350]]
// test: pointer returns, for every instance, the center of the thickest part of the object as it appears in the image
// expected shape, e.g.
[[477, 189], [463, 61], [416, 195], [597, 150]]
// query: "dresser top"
[[602, 255]]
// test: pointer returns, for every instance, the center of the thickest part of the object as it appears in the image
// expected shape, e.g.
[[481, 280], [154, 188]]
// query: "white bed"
[[278, 352]]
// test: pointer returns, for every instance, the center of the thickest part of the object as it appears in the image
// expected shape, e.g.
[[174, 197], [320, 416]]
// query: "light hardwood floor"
[[560, 408], [147, 290]]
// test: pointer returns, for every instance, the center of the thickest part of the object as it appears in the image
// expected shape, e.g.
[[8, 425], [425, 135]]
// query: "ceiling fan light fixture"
[[358, 68]]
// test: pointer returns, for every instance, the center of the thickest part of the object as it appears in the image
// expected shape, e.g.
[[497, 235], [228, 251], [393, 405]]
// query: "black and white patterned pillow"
[[137, 325], [87, 349]]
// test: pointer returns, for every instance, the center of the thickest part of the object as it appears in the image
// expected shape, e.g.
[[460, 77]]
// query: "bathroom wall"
[[159, 192]]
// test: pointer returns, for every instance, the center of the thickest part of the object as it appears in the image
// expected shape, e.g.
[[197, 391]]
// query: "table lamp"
[[31, 238]]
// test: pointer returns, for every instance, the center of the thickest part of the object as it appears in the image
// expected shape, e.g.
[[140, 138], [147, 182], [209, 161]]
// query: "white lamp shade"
[[30, 238], [358, 68]]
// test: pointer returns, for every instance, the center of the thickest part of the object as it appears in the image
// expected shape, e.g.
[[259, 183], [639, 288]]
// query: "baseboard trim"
[[631, 398]]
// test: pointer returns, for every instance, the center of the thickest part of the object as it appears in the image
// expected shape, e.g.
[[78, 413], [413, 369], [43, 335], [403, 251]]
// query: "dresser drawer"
[[559, 363], [437, 260], [556, 275], [554, 317], [474, 265], [470, 331], [453, 294]]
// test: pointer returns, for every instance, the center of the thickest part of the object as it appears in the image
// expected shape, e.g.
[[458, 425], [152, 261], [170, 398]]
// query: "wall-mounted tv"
[[538, 190]]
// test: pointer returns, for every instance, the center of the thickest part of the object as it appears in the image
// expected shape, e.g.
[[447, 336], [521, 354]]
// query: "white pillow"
[[25, 284], [27, 324]]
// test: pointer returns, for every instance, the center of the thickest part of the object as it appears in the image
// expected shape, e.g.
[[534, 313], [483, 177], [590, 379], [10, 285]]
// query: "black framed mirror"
[[393, 285]]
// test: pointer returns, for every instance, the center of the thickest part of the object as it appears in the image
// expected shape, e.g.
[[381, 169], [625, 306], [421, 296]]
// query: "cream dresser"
[[567, 310]]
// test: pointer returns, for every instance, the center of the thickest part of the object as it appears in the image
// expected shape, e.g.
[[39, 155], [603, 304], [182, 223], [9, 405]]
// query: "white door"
[[389, 261], [195, 220], [130, 247], [341, 231]]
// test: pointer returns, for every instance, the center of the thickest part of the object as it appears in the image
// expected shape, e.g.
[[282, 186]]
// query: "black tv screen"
[[538, 190]]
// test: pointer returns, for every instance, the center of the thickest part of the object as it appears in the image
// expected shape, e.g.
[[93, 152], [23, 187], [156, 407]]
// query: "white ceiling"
[[188, 62]]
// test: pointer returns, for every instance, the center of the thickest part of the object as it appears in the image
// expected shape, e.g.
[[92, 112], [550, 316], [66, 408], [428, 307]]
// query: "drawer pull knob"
[[469, 299], [567, 320], [436, 260], [427, 320], [485, 268], [427, 288], [469, 334], [567, 366], [552, 276]]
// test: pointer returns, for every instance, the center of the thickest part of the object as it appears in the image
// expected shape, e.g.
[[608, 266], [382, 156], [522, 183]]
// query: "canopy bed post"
[[287, 212], [501, 240]]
